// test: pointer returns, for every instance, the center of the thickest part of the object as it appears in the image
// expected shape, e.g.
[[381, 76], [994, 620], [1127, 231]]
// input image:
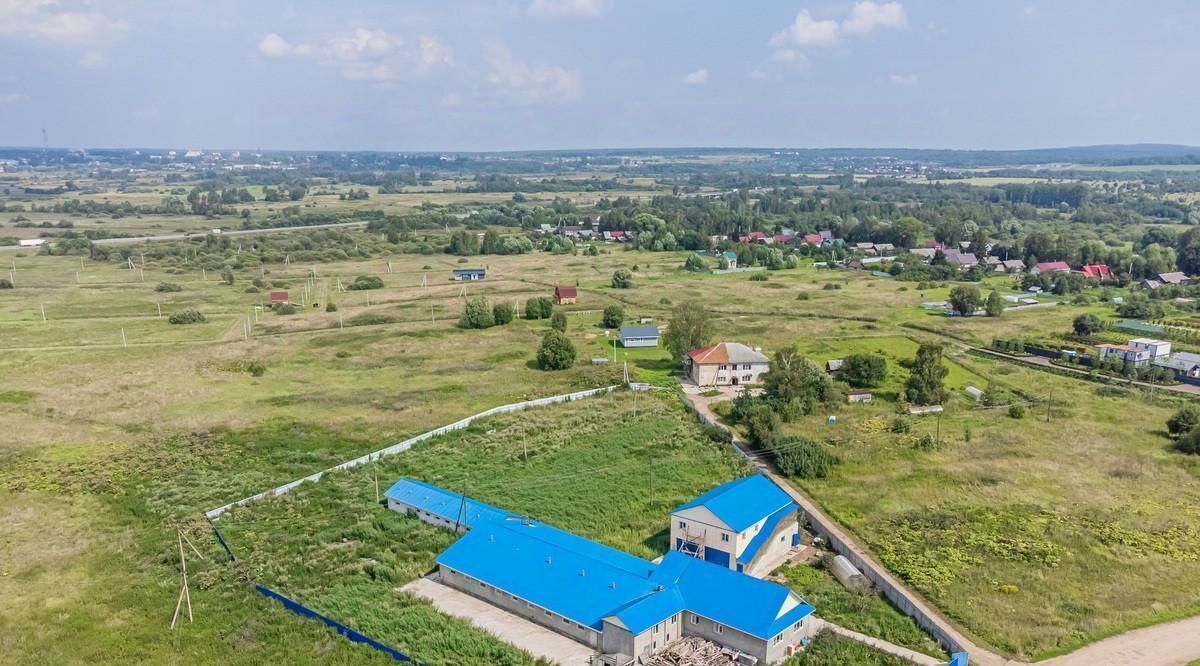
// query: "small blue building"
[[639, 336], [622, 606], [462, 274], [749, 524]]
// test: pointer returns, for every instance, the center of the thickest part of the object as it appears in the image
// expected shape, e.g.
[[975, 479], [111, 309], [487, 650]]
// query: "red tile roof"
[[565, 292]]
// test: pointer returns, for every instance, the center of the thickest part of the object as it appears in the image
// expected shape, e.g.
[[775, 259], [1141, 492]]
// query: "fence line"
[[342, 629], [408, 443]]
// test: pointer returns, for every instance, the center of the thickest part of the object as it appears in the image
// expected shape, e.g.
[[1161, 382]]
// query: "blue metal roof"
[[578, 579], [743, 502], [480, 271], [764, 534], [757, 607], [639, 331], [443, 503]]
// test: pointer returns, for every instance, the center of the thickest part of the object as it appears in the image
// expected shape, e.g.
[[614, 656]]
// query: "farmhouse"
[[639, 336], [749, 525], [729, 259], [725, 364], [1051, 267], [464, 274], [1013, 265], [1156, 348], [757, 237], [278, 297], [565, 295], [1175, 278], [960, 259], [1139, 351], [622, 606]]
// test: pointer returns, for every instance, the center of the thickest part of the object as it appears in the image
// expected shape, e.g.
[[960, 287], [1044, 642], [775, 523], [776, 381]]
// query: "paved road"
[[1170, 644], [239, 232], [525, 634], [1190, 389]]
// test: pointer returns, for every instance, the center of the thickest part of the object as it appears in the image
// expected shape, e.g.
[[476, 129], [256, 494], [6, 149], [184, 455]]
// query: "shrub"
[[364, 282], [718, 434], [189, 316], [762, 425], [279, 284], [502, 313], [556, 352], [804, 459], [622, 278], [251, 289], [538, 307], [614, 316], [926, 443], [694, 263], [900, 424], [5, 283], [330, 307], [758, 277], [370, 319], [1016, 411], [830, 286], [803, 296], [477, 313], [1185, 420], [1087, 324], [559, 321], [1189, 443], [168, 286], [227, 276], [285, 309]]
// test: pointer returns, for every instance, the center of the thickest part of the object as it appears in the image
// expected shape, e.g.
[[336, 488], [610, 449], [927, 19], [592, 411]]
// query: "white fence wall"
[[408, 443]]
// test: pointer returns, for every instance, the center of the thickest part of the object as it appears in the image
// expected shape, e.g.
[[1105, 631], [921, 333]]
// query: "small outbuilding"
[[278, 297], [565, 295], [639, 336], [469, 274], [859, 396], [833, 365]]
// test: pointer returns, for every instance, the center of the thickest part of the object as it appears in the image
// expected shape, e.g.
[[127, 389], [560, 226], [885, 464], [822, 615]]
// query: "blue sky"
[[533, 74]]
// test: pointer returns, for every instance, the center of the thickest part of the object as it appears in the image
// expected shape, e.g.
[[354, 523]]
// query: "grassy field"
[[1034, 536]]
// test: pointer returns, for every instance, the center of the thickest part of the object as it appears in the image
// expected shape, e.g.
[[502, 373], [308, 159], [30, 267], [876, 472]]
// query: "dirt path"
[[1170, 644]]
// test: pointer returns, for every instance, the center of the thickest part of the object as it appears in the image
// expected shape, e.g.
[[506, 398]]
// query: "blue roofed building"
[[469, 274], [639, 336], [616, 603], [749, 525]]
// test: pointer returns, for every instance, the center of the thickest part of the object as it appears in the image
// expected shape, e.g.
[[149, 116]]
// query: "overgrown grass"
[[592, 467], [828, 649], [861, 611]]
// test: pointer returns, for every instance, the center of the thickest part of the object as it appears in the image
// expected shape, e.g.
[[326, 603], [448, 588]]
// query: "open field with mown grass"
[[1088, 516]]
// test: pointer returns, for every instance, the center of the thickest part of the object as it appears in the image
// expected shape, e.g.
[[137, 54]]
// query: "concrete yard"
[[526, 635]]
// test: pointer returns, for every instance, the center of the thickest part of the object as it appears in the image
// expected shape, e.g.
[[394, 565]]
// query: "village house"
[[1138, 352], [725, 364], [925, 253], [1183, 364], [639, 336], [749, 525], [757, 237], [1175, 278], [1013, 265], [565, 295], [1097, 272], [960, 259], [729, 259], [278, 297], [622, 606]]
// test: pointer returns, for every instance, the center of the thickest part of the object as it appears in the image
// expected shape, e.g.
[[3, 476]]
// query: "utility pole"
[[124, 343], [159, 310], [462, 506], [43, 313], [938, 438], [375, 468], [1049, 401]]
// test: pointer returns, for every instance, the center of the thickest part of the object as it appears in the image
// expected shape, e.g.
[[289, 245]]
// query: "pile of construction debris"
[[693, 651]]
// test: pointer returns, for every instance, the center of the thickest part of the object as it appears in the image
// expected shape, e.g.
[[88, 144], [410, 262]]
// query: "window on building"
[[796, 627], [746, 378], [566, 621], [695, 619], [746, 366], [658, 627], [724, 537], [482, 584], [673, 618], [720, 628], [778, 639], [721, 367], [682, 525]]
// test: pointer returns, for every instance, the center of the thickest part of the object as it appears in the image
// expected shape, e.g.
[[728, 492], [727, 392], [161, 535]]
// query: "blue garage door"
[[716, 556]]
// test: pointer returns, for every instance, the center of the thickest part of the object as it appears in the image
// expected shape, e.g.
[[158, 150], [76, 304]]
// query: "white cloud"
[[805, 31], [11, 98], [535, 82], [567, 7], [274, 46], [697, 77], [51, 20], [903, 79], [367, 55], [868, 15]]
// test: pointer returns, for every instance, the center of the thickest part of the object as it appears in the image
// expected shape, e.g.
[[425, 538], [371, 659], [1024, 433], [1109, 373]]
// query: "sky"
[[480, 75]]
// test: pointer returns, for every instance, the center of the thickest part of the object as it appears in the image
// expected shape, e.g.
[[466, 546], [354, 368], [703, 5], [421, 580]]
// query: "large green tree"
[[925, 385], [965, 299], [864, 370], [614, 316], [477, 313], [994, 304], [690, 327], [796, 383]]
